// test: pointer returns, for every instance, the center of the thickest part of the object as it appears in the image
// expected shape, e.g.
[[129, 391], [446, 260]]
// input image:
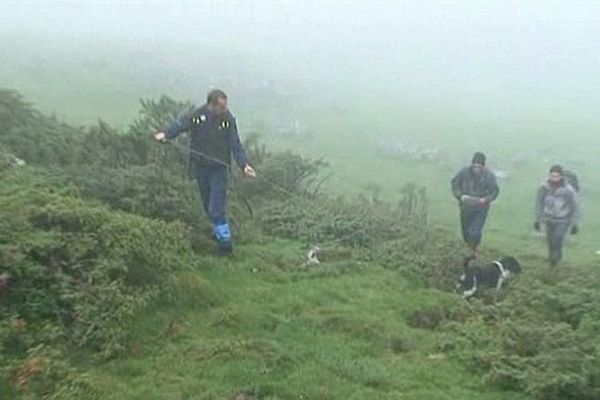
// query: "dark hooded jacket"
[[212, 138], [484, 184]]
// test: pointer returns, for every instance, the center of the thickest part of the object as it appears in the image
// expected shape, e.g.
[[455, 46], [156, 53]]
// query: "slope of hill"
[[115, 292]]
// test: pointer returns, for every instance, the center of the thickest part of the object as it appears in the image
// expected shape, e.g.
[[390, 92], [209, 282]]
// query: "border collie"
[[494, 274]]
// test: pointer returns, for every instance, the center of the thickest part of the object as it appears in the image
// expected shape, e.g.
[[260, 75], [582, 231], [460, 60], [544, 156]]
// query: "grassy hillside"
[[117, 294], [336, 332]]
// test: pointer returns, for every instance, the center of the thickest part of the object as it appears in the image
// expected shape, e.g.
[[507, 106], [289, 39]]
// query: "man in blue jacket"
[[213, 139], [475, 187]]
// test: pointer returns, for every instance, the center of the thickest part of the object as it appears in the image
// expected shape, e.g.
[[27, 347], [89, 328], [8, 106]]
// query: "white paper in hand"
[[470, 200]]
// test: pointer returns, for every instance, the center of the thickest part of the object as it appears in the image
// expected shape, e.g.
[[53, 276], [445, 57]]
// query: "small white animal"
[[312, 256], [15, 161]]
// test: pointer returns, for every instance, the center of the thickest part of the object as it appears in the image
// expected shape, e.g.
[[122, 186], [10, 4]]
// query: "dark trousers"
[[212, 181], [556, 231], [472, 220]]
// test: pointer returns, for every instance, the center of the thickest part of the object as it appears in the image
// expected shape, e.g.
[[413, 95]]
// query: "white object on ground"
[[312, 256], [15, 161]]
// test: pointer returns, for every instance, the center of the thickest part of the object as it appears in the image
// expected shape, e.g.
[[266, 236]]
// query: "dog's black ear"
[[467, 260], [511, 264], [518, 268]]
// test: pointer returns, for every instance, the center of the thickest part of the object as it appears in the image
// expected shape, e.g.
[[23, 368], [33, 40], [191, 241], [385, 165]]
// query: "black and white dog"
[[494, 274]]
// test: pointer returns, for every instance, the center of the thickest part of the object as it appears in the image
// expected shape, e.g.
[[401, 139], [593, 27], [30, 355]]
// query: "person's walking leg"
[[203, 178], [217, 207], [560, 233], [550, 238], [464, 223], [475, 228], [218, 195]]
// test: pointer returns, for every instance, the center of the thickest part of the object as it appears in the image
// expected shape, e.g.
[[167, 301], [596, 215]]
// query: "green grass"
[[337, 331]]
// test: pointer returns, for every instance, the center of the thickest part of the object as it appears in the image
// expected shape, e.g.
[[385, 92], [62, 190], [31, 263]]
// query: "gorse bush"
[[79, 272], [44, 140], [83, 266], [360, 223], [548, 348], [334, 220], [144, 190], [34, 137]]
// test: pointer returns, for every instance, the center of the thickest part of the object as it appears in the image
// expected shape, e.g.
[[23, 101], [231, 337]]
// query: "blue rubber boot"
[[223, 235]]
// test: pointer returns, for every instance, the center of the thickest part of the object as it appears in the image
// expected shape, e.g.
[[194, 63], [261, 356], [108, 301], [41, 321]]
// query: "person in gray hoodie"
[[475, 187], [556, 206]]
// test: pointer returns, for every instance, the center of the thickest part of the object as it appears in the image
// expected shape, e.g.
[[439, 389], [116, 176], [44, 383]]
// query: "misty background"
[[499, 59], [516, 79]]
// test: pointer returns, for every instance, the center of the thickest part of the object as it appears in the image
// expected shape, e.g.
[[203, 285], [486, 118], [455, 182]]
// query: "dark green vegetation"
[[115, 292]]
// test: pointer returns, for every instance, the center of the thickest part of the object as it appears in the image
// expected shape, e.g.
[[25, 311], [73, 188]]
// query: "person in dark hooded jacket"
[[214, 139], [475, 187]]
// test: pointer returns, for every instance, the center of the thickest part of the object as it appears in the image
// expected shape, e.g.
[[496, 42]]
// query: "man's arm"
[[179, 125], [576, 207], [539, 204], [493, 188], [456, 184], [236, 146]]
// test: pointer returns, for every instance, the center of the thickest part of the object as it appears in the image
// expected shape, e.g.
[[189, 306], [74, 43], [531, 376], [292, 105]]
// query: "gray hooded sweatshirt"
[[557, 204]]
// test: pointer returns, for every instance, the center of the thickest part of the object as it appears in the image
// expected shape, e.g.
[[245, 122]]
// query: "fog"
[[510, 78], [493, 55]]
